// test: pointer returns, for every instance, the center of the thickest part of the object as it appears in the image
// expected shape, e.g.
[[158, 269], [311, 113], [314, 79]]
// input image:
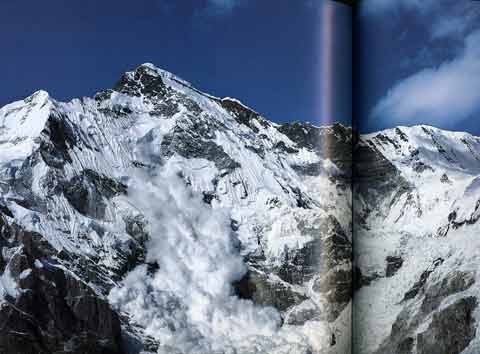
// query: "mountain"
[[416, 201], [155, 218]]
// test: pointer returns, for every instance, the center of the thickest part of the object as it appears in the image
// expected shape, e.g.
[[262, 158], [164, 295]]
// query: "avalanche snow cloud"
[[188, 303]]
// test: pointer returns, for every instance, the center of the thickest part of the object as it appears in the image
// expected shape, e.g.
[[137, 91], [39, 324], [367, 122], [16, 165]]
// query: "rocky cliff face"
[[46, 308], [416, 246], [156, 218]]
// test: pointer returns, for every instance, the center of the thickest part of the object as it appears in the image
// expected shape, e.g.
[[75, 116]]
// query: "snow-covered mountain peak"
[[156, 71], [150, 80], [155, 161], [427, 149], [426, 180], [21, 123], [419, 130], [38, 97]]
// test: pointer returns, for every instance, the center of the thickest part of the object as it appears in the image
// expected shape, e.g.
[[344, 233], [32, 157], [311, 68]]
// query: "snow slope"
[[416, 246]]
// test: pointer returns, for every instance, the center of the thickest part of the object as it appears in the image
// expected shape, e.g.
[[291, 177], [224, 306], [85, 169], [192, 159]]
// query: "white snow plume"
[[187, 304]]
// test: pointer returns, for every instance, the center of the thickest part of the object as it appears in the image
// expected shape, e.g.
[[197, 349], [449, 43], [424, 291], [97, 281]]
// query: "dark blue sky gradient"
[[396, 44], [265, 53], [391, 47]]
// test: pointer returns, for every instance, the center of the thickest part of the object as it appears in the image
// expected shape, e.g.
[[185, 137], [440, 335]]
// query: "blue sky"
[[418, 63], [266, 53]]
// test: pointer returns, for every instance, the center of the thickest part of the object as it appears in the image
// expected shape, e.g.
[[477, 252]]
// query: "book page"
[[175, 177], [416, 173]]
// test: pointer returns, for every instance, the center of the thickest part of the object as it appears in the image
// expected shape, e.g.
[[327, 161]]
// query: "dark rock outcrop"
[[58, 138], [52, 310], [86, 191], [410, 294], [445, 179], [243, 114], [141, 81], [334, 143], [371, 168], [257, 286], [451, 329], [394, 263], [191, 144], [452, 283], [300, 265], [360, 280]]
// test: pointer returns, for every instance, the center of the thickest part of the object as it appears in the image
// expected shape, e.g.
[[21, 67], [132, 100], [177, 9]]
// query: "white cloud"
[[206, 8], [220, 7], [448, 26], [444, 95], [454, 20], [380, 7], [444, 18], [226, 4]]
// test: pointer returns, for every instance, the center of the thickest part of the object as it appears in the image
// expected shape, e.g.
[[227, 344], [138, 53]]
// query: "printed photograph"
[[416, 176], [240, 177], [175, 177]]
